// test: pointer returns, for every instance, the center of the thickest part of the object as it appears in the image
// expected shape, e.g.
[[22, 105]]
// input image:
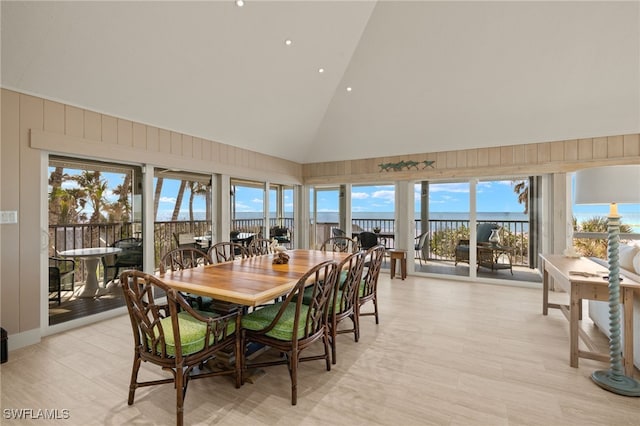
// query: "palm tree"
[[94, 188], [197, 189], [65, 204], [176, 208], [156, 198], [592, 247], [521, 187], [121, 209]]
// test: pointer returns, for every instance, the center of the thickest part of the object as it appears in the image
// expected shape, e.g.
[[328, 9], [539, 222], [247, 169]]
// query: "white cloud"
[[359, 195], [450, 187], [388, 196], [171, 200], [257, 201]]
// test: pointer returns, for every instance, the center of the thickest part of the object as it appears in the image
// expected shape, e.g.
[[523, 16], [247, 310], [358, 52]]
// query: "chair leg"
[[134, 378], [181, 390], [333, 333], [325, 339], [293, 371], [356, 318], [375, 308], [242, 355], [239, 358]]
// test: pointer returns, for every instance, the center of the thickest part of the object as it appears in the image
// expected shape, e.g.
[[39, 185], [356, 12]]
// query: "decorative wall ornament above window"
[[396, 167]]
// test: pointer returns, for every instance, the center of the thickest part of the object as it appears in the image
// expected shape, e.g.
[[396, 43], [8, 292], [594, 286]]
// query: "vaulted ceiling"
[[424, 76]]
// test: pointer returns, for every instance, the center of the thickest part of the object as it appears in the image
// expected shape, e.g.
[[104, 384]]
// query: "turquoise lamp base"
[[622, 385]]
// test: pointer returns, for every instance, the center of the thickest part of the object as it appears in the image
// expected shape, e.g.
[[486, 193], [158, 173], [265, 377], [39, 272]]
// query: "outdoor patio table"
[[91, 257]]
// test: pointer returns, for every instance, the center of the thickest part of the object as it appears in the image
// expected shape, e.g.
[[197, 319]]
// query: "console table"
[[582, 279]]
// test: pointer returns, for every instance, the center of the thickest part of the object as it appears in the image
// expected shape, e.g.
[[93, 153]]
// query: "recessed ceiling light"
[[239, 3], [349, 89], [288, 42], [320, 70]]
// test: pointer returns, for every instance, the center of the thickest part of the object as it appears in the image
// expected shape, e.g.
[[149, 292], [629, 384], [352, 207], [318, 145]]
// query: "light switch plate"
[[8, 216]]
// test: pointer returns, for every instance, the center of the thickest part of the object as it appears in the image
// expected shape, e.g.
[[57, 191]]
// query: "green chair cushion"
[[192, 333], [283, 330], [361, 289]]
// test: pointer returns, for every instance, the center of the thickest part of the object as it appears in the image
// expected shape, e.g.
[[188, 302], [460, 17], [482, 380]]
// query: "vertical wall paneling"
[[556, 151], [571, 150], [187, 147], [615, 146], [506, 156], [585, 149], [631, 145], [74, 122], [544, 152], [164, 138], [10, 200], [600, 148], [153, 139], [31, 117], [125, 132], [53, 117], [92, 126], [176, 144], [139, 136], [109, 130], [483, 157], [196, 149]]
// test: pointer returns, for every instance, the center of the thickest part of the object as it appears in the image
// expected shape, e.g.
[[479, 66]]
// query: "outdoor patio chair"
[[337, 232], [129, 258], [366, 240], [292, 326], [61, 277], [176, 337], [420, 247], [281, 234], [482, 236], [185, 240]]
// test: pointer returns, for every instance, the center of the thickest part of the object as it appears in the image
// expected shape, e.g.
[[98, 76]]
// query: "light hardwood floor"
[[444, 353]]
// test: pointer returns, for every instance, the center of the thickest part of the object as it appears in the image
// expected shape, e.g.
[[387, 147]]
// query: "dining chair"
[[260, 246], [344, 298], [340, 244], [175, 337], [185, 258], [292, 326], [227, 251], [368, 291]]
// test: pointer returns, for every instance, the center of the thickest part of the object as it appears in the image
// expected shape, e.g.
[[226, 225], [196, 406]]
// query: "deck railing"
[[443, 234]]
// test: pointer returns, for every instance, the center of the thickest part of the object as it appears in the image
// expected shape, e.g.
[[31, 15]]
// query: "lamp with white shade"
[[612, 185]]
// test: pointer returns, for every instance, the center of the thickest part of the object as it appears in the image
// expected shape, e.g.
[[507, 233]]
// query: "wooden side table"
[[401, 255]]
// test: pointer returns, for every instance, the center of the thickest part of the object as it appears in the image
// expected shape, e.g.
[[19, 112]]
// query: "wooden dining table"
[[251, 281]]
